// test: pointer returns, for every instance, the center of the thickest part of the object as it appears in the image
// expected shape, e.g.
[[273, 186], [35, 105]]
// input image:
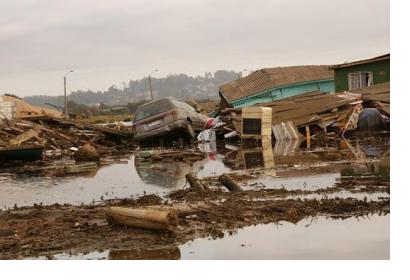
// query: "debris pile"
[[323, 112], [58, 136], [376, 96]]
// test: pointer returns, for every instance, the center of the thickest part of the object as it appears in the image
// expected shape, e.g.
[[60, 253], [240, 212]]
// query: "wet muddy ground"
[[329, 201]]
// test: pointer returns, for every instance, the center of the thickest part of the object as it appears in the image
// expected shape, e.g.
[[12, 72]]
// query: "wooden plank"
[[29, 134], [377, 97]]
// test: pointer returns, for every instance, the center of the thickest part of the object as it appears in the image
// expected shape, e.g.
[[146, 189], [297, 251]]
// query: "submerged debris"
[[87, 153]]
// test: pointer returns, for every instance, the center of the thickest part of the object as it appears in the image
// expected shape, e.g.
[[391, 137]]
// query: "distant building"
[[362, 73], [271, 84]]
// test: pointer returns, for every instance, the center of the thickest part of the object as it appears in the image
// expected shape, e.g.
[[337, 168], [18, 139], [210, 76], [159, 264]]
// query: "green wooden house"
[[362, 73], [271, 84]]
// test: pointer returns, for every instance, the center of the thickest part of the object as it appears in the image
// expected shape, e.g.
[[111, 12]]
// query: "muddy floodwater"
[[355, 160], [116, 180], [319, 238]]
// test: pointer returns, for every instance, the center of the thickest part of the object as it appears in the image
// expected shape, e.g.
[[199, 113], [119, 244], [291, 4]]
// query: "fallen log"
[[229, 183], [194, 182], [142, 218]]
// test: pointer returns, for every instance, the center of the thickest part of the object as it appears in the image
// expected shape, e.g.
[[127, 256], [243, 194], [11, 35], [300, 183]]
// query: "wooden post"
[[65, 98], [308, 136], [194, 182], [229, 183]]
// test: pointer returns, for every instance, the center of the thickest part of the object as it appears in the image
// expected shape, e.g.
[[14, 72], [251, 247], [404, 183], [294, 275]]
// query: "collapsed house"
[[294, 117], [375, 96], [369, 81], [302, 98], [270, 84]]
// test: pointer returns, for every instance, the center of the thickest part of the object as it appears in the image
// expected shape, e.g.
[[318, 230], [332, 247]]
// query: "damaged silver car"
[[167, 116]]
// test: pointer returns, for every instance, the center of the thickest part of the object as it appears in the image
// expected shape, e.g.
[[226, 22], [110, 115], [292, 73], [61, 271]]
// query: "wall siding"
[[380, 69], [284, 92]]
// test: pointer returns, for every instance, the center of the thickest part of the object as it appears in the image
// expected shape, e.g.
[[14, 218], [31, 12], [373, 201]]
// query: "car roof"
[[155, 101]]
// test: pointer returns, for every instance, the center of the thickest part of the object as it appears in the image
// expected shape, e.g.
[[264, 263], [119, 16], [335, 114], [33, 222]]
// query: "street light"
[[65, 93], [150, 85]]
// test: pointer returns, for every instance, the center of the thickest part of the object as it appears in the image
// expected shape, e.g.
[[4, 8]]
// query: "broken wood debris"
[[229, 183], [375, 96], [291, 116], [195, 183], [170, 155], [55, 134]]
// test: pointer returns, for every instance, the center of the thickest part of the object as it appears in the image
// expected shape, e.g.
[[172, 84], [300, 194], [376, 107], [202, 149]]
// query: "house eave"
[[274, 88]]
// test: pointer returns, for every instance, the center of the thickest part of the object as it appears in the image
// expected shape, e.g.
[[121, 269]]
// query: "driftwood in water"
[[194, 182], [142, 218], [229, 183]]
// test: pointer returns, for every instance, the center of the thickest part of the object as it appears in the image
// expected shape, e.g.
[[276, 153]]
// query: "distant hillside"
[[181, 86]]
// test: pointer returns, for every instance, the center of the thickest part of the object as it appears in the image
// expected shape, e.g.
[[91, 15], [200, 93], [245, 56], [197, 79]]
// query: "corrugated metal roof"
[[359, 62], [268, 78]]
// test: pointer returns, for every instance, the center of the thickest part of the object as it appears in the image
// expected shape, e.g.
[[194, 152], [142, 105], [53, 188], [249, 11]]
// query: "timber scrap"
[[375, 96], [57, 134], [312, 108]]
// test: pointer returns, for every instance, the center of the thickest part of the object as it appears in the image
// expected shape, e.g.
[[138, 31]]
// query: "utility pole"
[[65, 94], [150, 84], [65, 97], [150, 87]]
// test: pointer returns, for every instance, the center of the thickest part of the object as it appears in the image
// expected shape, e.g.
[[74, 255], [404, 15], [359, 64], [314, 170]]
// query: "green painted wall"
[[284, 92], [380, 69]]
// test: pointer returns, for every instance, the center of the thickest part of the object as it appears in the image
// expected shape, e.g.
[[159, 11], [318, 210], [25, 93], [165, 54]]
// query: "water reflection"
[[289, 165], [166, 174], [320, 238], [261, 157], [285, 148]]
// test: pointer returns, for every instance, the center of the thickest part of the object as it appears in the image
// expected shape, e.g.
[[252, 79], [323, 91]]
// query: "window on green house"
[[360, 79]]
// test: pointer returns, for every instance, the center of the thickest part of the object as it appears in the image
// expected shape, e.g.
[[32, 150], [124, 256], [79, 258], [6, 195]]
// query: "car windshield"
[[146, 111]]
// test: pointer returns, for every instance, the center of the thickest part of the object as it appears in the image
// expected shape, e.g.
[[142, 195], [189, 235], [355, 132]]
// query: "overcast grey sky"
[[110, 41]]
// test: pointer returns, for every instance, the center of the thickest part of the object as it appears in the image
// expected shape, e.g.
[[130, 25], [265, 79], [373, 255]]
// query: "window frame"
[[359, 79]]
